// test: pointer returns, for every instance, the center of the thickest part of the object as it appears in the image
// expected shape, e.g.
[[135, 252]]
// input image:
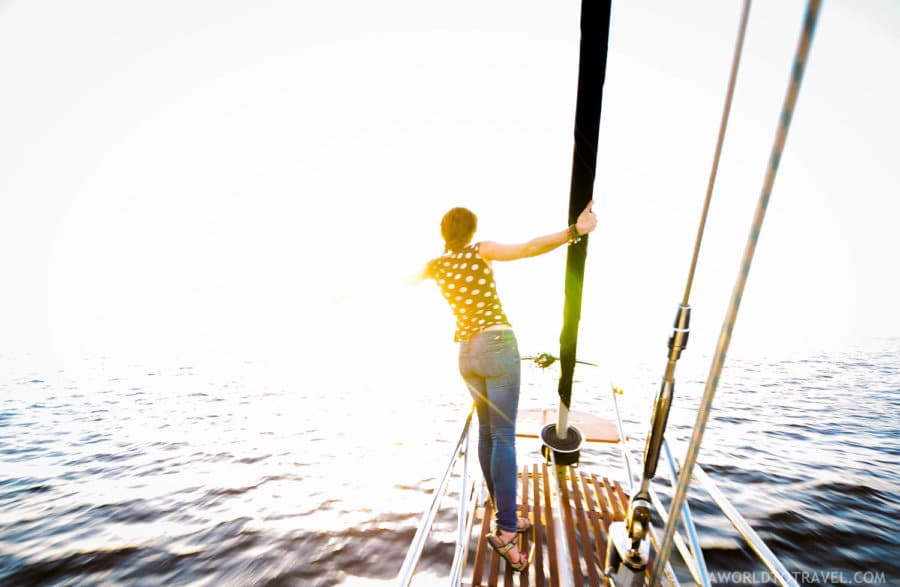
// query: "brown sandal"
[[503, 548], [523, 525]]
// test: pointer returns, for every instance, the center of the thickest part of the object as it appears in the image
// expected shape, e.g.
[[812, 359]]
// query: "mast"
[[594, 43]]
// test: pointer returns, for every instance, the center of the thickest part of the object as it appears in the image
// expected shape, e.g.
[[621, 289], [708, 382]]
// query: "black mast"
[[563, 440], [591, 75]]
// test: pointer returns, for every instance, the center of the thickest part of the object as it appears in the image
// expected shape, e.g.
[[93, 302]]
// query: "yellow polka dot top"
[[467, 283]]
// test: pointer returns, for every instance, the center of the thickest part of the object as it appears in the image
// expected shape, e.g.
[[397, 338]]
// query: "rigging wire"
[[684, 479], [723, 124]]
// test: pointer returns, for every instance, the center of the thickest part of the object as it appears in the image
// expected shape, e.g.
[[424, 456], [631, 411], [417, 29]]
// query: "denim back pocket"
[[501, 353]]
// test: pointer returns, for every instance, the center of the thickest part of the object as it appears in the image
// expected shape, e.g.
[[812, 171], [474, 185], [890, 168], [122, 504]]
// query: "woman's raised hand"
[[586, 222]]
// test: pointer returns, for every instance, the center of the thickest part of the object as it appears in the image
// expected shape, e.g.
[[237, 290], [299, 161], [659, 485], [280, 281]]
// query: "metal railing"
[[408, 568], [697, 552]]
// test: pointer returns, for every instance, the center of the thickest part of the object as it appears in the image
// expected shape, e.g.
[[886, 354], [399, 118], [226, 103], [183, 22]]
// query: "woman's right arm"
[[423, 274]]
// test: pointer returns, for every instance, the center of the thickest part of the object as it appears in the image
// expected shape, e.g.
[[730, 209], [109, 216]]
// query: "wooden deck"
[[592, 504]]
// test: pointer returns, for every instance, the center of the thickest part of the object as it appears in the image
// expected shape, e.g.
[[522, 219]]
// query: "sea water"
[[235, 473]]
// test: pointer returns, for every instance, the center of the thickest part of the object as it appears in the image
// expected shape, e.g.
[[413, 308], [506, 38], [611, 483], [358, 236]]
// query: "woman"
[[489, 359]]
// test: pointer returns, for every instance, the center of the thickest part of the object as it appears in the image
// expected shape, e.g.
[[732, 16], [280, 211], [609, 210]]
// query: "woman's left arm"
[[489, 251]]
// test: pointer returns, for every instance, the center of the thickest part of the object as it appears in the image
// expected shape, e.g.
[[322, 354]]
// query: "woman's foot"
[[506, 545]]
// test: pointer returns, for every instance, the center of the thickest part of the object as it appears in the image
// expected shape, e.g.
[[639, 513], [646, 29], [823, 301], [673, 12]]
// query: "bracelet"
[[572, 235]]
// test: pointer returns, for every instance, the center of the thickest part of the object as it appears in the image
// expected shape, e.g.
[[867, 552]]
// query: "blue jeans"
[[491, 367]]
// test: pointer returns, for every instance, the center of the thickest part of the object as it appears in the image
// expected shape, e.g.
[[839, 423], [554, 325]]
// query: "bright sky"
[[254, 177]]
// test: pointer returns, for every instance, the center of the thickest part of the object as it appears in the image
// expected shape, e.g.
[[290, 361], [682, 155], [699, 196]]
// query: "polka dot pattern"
[[467, 283]]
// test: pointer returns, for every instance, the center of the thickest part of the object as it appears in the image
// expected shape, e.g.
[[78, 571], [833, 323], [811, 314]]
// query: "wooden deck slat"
[[482, 546], [551, 535], [526, 539], [569, 520], [594, 516], [623, 499], [618, 514], [587, 550], [602, 501], [538, 562], [494, 570]]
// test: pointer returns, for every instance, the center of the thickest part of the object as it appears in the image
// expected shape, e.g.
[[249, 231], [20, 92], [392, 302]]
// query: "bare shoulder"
[[486, 249]]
